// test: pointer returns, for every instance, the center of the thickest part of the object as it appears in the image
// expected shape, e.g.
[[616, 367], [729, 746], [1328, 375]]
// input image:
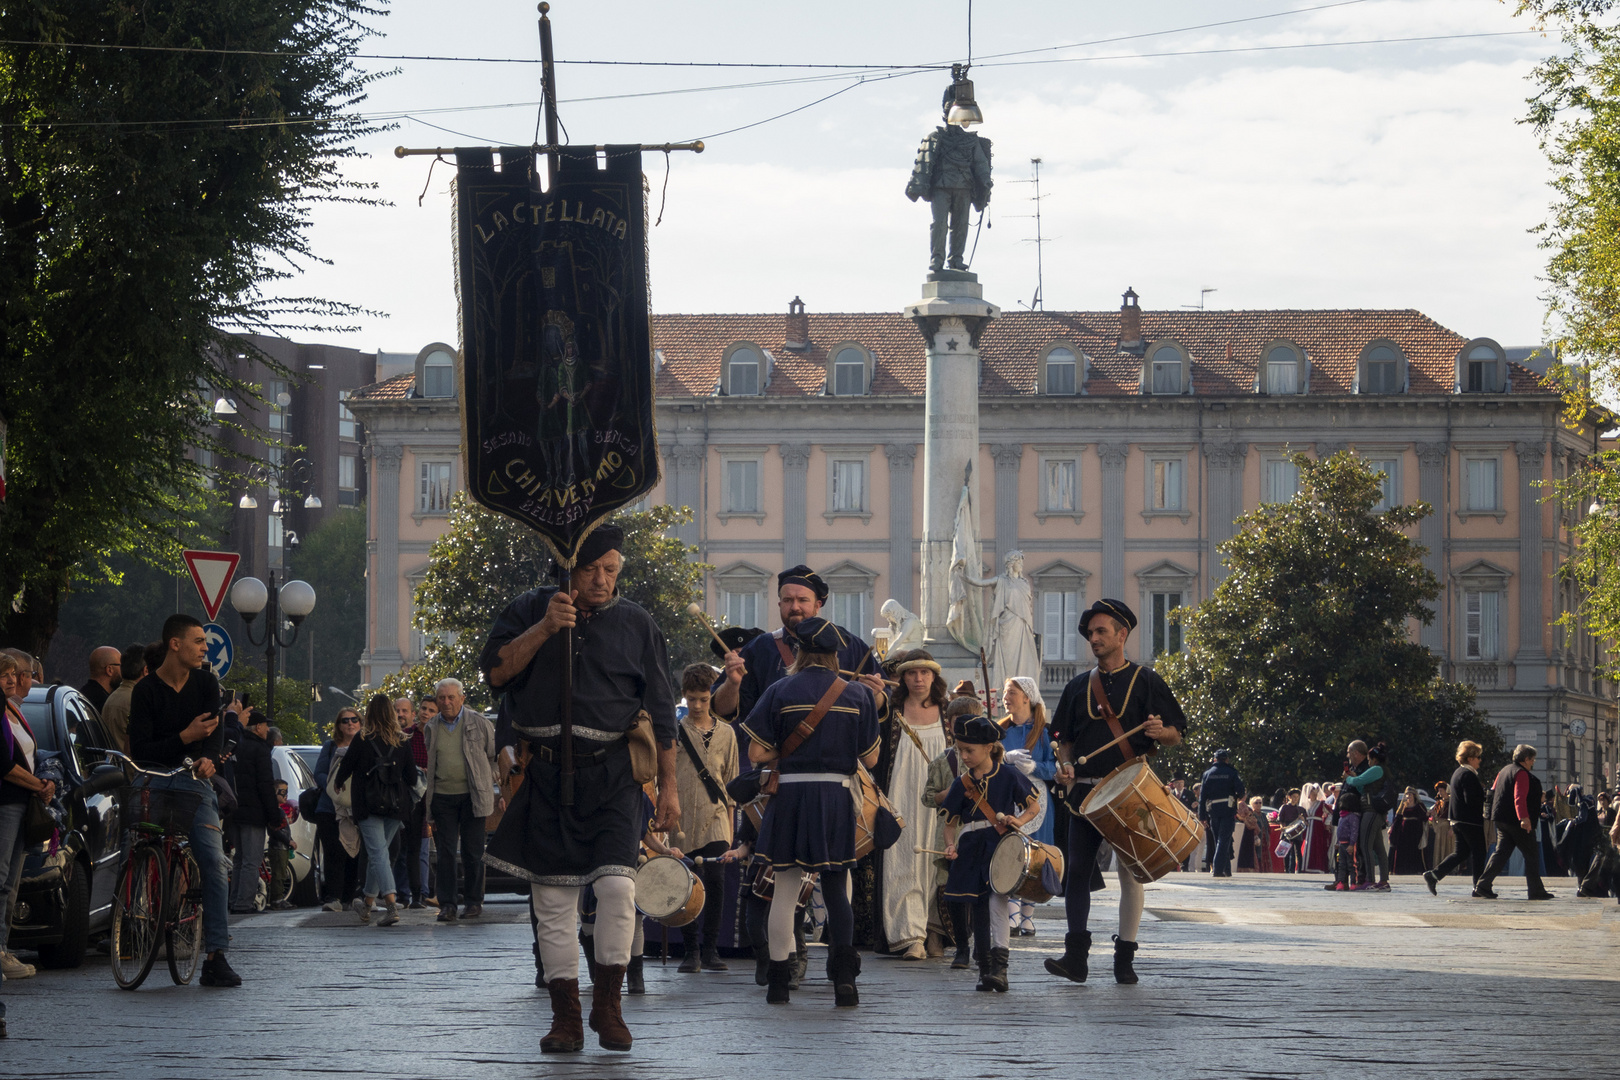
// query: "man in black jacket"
[[257, 810], [1466, 810], [1218, 795], [1515, 800]]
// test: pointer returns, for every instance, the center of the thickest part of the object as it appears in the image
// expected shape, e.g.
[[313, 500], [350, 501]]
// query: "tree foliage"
[[484, 561], [332, 559], [153, 190], [1305, 645]]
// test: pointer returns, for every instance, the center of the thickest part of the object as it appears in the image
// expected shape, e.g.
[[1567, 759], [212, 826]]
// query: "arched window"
[[438, 375], [1383, 369], [849, 373], [1062, 372], [1165, 371], [1481, 368], [1282, 374], [743, 372]]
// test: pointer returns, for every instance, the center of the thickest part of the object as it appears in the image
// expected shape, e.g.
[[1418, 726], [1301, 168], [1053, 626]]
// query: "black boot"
[[1124, 953], [984, 971], [962, 929], [762, 965], [689, 959], [777, 978], [588, 941], [800, 958], [997, 977], [634, 981], [710, 956], [1072, 964], [846, 969]]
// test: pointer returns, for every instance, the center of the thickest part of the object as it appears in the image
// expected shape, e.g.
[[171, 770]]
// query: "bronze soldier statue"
[[952, 171]]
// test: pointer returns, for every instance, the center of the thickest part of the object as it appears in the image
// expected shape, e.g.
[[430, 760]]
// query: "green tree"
[[1576, 115], [158, 165], [293, 703], [333, 560], [484, 561], [1304, 646]]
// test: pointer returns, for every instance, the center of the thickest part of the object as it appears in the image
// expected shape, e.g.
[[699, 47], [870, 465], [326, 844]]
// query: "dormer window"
[[1282, 370], [1382, 370], [1062, 372], [1165, 370], [438, 375], [1481, 368], [849, 373], [744, 372]]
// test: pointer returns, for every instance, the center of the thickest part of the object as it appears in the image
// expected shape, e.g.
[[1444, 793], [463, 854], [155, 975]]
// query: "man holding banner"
[[620, 669]]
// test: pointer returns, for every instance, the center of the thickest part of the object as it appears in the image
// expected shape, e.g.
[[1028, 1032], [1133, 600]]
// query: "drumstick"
[[1083, 758], [695, 610], [928, 851]]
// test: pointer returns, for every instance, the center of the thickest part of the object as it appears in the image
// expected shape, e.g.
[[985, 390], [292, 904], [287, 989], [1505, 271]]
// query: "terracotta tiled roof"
[[1225, 347], [396, 389]]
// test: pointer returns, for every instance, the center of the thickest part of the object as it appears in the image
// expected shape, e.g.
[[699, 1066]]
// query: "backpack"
[[385, 788], [1387, 797]]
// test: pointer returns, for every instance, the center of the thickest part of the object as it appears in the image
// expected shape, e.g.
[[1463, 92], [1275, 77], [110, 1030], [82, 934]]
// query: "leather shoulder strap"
[[973, 793], [807, 726], [1101, 698], [787, 653]]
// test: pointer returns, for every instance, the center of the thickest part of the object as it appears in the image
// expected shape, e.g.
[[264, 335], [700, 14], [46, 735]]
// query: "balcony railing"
[[1482, 676], [1056, 674]]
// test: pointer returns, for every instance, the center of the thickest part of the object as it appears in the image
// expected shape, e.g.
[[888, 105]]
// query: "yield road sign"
[[220, 650], [211, 572]]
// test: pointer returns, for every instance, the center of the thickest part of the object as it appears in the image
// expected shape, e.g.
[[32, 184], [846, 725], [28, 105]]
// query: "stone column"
[[1007, 456], [1530, 663], [386, 654], [795, 464], [1114, 456], [1226, 462], [902, 461], [950, 316], [1432, 535], [687, 488]]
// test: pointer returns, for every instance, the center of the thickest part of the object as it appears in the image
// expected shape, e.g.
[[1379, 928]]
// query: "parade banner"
[[556, 354]]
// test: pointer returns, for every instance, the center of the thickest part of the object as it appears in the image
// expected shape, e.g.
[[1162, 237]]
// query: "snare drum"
[[1149, 828], [668, 891], [1294, 831], [762, 883], [1017, 868]]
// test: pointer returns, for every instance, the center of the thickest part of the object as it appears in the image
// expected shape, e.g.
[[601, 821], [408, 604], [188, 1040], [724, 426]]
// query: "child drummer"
[[985, 802]]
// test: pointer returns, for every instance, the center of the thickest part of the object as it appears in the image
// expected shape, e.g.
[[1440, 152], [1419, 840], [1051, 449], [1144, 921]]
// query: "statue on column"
[[952, 172], [1010, 630], [965, 616], [905, 628]]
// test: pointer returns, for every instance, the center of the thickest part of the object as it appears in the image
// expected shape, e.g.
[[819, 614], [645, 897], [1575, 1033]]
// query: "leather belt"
[[1230, 800], [581, 757], [840, 779], [971, 826]]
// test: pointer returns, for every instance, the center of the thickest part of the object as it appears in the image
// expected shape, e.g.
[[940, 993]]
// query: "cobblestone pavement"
[[1245, 977]]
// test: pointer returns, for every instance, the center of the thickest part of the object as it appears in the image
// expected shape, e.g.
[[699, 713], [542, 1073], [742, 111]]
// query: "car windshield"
[[37, 711]]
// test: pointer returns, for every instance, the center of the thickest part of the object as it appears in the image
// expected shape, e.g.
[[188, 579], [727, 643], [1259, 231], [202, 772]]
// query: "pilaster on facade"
[[1432, 458], [795, 472], [1113, 456], [1226, 461], [1007, 458], [384, 656], [686, 486], [902, 468], [1531, 659]]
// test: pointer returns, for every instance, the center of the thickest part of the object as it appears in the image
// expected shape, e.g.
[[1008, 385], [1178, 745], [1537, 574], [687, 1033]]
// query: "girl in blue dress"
[[1024, 729], [971, 836], [809, 824]]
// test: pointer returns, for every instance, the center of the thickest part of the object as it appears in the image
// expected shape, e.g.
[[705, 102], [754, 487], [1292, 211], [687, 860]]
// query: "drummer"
[[1138, 696], [984, 803], [809, 824]]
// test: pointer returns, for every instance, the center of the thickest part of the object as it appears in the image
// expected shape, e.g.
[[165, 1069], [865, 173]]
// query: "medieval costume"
[[907, 883]]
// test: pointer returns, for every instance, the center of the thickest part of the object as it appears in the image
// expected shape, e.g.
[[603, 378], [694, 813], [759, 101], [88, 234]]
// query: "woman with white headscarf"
[[1029, 749]]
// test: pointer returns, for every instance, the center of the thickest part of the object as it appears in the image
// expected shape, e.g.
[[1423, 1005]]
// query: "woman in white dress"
[[913, 737]]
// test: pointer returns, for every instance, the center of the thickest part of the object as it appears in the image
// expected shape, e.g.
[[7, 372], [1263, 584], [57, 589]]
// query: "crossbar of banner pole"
[[438, 151]]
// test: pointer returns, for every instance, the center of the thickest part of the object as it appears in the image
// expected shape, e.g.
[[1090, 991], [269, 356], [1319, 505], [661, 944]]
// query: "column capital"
[[1325, 450], [1113, 455], [388, 457], [1431, 455], [900, 455], [1531, 455], [1227, 455], [794, 455], [1007, 455], [687, 456]]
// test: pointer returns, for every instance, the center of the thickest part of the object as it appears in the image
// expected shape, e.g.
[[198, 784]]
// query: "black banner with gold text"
[[557, 367]]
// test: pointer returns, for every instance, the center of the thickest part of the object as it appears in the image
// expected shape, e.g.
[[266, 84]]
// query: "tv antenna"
[[1038, 302], [1205, 291]]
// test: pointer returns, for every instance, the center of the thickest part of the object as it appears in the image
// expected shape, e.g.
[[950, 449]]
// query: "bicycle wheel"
[[137, 916], [183, 930]]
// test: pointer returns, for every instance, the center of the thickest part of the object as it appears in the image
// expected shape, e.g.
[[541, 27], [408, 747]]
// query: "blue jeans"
[[378, 833], [1221, 821], [208, 848], [12, 853]]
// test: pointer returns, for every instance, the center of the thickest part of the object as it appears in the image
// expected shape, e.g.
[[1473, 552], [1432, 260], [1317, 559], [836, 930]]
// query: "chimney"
[[798, 326], [1130, 322]]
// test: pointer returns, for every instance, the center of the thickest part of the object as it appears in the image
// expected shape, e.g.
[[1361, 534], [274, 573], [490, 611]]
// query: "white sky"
[[1383, 175]]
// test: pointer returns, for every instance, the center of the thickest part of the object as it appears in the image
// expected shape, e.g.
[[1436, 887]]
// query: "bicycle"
[[158, 901]]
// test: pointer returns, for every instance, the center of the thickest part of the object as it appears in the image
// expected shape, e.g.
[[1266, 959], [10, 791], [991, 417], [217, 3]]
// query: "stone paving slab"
[[1258, 976]]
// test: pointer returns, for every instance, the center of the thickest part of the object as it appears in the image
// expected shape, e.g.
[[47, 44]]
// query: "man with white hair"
[[460, 795]]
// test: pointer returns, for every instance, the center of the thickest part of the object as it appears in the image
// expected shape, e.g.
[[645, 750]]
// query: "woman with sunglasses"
[[340, 870]]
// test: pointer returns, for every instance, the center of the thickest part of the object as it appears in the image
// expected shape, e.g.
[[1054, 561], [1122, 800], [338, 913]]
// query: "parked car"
[[64, 901], [310, 754], [292, 771]]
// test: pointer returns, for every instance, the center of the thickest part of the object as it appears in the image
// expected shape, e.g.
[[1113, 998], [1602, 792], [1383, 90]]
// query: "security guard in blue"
[[1217, 808]]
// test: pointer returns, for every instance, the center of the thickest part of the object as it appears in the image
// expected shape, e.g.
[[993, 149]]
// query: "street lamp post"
[[249, 596]]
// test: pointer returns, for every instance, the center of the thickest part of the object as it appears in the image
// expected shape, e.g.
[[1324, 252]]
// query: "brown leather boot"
[[566, 1034], [606, 1020]]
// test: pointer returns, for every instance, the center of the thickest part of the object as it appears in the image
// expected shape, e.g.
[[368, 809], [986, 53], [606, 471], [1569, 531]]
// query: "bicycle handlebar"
[[186, 766]]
